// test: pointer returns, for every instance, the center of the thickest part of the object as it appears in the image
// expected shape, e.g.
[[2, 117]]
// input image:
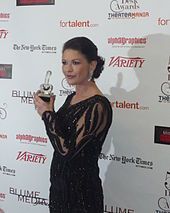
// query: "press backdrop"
[[134, 38]]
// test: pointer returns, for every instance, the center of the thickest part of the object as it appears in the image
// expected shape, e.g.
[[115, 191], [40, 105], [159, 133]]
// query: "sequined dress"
[[77, 133]]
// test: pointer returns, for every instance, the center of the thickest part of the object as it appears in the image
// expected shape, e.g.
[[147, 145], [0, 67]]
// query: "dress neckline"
[[84, 100]]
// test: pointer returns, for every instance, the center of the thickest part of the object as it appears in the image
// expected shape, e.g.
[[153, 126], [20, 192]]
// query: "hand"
[[42, 106]]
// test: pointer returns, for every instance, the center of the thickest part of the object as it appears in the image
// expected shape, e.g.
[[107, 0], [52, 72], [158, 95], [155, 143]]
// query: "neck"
[[83, 90]]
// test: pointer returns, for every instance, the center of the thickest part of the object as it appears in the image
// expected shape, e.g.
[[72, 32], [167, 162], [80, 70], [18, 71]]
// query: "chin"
[[71, 83]]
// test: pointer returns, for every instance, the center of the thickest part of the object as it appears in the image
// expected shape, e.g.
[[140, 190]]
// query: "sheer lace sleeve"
[[85, 123], [54, 131], [94, 122]]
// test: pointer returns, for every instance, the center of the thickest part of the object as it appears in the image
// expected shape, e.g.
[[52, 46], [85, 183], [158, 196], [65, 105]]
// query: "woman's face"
[[76, 67]]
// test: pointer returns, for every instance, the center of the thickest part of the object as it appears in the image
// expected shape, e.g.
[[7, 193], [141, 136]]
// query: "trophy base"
[[45, 98]]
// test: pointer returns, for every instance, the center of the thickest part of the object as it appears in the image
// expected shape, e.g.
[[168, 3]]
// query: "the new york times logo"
[[136, 161], [35, 48], [30, 197], [7, 171]]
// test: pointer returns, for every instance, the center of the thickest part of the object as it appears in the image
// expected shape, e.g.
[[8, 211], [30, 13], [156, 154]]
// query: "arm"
[[54, 130], [91, 122]]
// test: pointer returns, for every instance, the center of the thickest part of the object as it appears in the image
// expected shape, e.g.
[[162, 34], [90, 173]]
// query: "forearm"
[[52, 123]]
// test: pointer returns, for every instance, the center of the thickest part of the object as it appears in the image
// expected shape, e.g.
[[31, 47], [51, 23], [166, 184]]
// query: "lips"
[[70, 76]]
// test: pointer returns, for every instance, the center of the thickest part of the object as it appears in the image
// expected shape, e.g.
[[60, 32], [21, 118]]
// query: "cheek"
[[83, 71]]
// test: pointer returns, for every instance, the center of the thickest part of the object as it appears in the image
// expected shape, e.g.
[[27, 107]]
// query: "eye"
[[64, 62], [76, 62]]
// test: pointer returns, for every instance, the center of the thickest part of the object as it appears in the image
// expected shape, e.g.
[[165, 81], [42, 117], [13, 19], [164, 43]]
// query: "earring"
[[90, 75]]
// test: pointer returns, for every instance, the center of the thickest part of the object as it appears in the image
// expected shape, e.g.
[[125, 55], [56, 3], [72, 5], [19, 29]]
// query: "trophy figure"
[[46, 88]]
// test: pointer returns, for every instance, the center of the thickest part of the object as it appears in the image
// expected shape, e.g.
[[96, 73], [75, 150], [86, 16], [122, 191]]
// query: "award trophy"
[[46, 88]]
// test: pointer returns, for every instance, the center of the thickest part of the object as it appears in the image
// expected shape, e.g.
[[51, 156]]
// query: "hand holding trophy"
[[46, 88]]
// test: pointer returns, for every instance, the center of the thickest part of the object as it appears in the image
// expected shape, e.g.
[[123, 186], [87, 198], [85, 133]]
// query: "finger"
[[52, 100], [38, 92], [37, 99]]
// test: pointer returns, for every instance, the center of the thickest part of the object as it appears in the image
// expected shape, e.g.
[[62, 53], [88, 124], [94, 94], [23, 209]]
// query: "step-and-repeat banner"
[[134, 38]]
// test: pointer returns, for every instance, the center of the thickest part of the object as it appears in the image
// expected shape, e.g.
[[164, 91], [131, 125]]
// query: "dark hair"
[[86, 47]]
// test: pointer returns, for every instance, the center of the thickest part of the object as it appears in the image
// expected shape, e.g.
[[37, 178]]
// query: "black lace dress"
[[77, 133]]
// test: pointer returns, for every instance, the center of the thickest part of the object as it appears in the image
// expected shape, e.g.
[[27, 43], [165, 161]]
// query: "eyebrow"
[[72, 59]]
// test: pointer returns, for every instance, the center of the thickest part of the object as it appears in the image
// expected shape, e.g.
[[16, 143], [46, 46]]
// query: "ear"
[[93, 65]]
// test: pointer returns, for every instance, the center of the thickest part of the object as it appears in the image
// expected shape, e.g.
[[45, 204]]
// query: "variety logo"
[[24, 96], [121, 61], [165, 87], [3, 112], [164, 201], [128, 105], [163, 22], [35, 48], [77, 24], [132, 42], [31, 157], [67, 89], [34, 2], [2, 196], [116, 209], [162, 135], [7, 171], [6, 71], [136, 161], [3, 33], [31, 139], [29, 197], [126, 9], [4, 17]]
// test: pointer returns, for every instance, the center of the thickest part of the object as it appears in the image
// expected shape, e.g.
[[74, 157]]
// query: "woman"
[[77, 132]]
